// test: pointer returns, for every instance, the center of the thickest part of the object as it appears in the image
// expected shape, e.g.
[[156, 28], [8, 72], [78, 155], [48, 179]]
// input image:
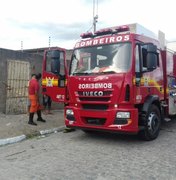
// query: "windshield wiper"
[[81, 73], [86, 73], [107, 72]]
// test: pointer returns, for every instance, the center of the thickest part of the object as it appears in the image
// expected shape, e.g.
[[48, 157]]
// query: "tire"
[[152, 124]]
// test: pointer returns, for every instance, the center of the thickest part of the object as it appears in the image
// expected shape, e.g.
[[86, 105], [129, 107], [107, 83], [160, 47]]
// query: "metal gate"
[[17, 86]]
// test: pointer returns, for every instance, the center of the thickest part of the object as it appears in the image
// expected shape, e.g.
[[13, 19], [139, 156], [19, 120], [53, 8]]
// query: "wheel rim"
[[153, 123]]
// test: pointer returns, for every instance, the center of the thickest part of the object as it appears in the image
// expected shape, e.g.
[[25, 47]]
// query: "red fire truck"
[[120, 79]]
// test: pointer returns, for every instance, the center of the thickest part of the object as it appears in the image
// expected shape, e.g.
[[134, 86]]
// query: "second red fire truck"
[[120, 79]]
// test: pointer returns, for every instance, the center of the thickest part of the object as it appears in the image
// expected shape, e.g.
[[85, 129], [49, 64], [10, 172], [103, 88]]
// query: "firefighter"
[[33, 91]]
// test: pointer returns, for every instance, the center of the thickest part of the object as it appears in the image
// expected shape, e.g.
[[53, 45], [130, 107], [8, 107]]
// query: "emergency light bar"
[[122, 28], [103, 32], [86, 35]]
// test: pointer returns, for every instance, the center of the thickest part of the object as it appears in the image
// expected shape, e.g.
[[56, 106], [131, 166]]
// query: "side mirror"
[[151, 61], [152, 57], [151, 48]]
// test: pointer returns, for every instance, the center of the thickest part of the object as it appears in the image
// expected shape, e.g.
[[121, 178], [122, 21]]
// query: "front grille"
[[95, 106], [94, 99], [86, 96], [95, 121]]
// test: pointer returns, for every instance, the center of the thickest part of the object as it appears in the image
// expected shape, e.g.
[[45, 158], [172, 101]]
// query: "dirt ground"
[[16, 125]]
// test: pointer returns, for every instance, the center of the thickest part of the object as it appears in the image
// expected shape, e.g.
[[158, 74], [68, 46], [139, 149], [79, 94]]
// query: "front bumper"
[[103, 120]]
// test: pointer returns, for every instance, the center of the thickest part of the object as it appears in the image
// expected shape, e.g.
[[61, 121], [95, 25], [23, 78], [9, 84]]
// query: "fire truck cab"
[[120, 80]]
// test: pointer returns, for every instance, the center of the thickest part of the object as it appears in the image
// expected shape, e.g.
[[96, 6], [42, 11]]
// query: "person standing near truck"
[[33, 91], [47, 104]]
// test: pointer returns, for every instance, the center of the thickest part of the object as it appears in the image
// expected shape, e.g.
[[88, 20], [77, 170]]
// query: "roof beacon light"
[[122, 28], [103, 32], [86, 35]]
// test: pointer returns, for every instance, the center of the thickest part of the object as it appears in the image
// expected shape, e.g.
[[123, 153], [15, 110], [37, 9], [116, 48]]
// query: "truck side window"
[[137, 61], [48, 64], [55, 62]]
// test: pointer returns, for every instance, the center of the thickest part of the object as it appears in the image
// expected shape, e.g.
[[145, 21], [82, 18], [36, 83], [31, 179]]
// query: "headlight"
[[69, 112], [124, 115], [70, 115]]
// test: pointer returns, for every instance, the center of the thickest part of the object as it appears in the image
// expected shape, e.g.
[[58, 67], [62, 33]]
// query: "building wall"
[[5, 55], [35, 61], [3, 80]]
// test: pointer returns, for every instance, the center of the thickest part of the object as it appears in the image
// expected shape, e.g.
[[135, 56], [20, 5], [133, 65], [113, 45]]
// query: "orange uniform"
[[33, 95]]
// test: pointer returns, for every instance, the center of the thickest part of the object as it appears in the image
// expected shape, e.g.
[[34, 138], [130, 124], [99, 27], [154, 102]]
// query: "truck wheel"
[[152, 124]]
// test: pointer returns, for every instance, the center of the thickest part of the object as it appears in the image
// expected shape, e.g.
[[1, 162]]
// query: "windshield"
[[112, 58]]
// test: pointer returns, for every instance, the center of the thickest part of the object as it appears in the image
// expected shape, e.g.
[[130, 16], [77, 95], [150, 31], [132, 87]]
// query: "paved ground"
[[97, 156], [16, 125]]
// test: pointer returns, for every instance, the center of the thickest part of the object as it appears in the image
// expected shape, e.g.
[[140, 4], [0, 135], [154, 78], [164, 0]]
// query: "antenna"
[[95, 17]]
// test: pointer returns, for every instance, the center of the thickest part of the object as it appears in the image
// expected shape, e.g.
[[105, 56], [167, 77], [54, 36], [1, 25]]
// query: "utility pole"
[[22, 46], [49, 42]]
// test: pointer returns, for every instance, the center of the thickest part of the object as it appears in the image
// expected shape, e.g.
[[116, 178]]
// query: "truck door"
[[54, 74], [148, 69]]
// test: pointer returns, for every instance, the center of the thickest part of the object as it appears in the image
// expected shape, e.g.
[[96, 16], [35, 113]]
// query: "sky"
[[28, 24]]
